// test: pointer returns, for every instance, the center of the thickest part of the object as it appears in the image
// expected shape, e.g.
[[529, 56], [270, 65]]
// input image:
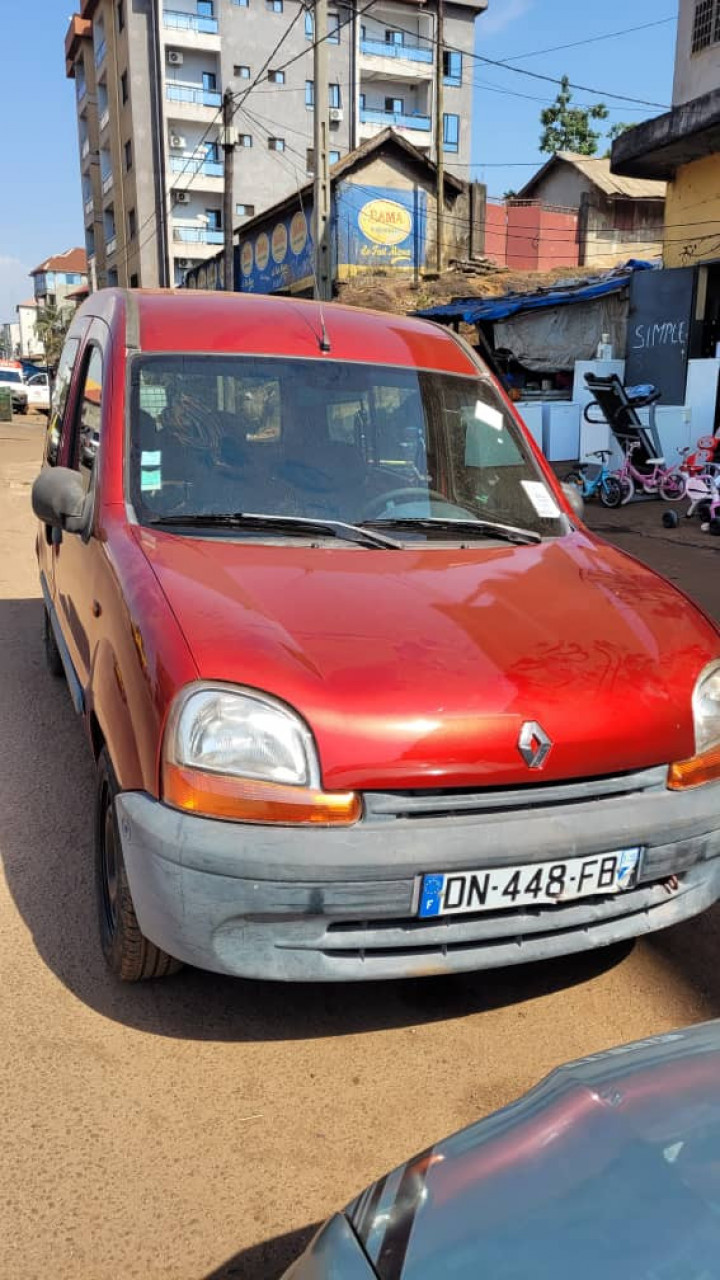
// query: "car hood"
[[610, 1167], [419, 667]]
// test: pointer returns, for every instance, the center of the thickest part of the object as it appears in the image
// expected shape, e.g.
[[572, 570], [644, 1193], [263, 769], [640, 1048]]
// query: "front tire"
[[673, 487], [129, 954], [628, 489], [611, 493]]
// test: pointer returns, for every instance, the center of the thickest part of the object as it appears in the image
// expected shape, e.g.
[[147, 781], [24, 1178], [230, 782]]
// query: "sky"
[[40, 200]]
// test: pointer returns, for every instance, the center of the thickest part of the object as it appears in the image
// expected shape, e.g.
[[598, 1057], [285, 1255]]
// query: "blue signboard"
[[379, 227], [275, 258]]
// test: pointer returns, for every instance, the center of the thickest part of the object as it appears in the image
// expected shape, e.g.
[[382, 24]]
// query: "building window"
[[214, 219], [335, 99], [333, 28], [124, 94], [361, 98], [394, 37], [395, 106], [205, 9], [309, 25], [241, 73], [706, 24], [452, 67], [128, 156], [275, 6], [242, 4], [112, 278], [212, 152], [132, 224], [451, 132], [276, 144], [245, 210], [134, 280], [209, 81], [244, 139], [309, 93], [120, 11], [276, 77], [334, 157]]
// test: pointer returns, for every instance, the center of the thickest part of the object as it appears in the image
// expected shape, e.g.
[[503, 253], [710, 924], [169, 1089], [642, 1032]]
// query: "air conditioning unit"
[[182, 197], [175, 58], [177, 141], [336, 115]]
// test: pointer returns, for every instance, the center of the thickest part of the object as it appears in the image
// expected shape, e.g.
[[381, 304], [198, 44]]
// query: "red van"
[[366, 697]]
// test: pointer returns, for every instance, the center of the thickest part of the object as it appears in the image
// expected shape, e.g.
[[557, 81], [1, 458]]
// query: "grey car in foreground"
[[608, 1170]]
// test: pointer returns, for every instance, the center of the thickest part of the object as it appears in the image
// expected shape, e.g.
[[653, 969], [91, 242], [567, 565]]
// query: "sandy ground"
[[200, 1127]]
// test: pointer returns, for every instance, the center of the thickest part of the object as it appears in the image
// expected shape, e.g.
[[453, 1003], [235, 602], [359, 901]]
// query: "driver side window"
[[59, 400], [86, 440]]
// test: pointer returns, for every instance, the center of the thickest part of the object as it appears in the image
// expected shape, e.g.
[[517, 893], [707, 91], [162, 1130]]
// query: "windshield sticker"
[[543, 502], [150, 459], [150, 481], [491, 417]]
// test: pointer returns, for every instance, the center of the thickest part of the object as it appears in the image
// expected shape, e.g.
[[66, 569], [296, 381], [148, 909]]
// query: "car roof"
[[196, 321]]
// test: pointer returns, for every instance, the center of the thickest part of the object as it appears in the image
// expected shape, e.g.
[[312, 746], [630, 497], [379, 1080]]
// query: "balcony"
[[84, 148], [104, 119], [409, 51], [107, 183], [197, 235], [88, 207], [189, 165], [399, 119], [189, 22], [80, 91], [193, 95], [111, 244], [100, 51]]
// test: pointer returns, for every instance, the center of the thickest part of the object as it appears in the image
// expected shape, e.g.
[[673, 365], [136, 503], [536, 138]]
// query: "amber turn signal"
[[215, 795], [695, 771]]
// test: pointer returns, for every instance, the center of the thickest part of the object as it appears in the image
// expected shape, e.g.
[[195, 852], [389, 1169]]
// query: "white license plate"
[[532, 885]]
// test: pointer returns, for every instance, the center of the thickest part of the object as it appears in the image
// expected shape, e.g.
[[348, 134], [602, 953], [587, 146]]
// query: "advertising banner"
[[379, 227], [277, 257]]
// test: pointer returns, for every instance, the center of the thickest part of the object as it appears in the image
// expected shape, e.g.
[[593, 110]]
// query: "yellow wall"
[[692, 214]]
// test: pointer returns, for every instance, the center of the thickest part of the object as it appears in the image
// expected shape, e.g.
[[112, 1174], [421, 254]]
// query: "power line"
[[575, 44]]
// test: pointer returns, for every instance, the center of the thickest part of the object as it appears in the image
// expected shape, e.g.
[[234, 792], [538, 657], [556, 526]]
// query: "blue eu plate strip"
[[431, 895]]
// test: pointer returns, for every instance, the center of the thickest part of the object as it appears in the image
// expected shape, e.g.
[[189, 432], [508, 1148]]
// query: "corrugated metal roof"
[[597, 170], [72, 260]]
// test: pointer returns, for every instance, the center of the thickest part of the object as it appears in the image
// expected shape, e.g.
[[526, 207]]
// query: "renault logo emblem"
[[534, 744]]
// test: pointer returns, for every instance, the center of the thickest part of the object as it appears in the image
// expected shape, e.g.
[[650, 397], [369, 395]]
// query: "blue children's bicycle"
[[601, 483]]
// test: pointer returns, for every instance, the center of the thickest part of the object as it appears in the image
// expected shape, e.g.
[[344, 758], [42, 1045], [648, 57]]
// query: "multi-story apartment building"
[[149, 78]]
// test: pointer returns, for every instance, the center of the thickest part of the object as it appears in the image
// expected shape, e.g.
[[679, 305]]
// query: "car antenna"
[[324, 341]]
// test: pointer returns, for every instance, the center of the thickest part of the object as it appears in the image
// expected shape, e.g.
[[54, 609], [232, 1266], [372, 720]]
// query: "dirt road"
[[199, 1127]]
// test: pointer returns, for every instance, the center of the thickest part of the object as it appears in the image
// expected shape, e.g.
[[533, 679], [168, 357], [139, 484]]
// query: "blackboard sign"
[[658, 332]]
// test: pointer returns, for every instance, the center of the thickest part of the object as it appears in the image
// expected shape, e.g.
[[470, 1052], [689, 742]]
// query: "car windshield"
[[385, 447], [10, 375]]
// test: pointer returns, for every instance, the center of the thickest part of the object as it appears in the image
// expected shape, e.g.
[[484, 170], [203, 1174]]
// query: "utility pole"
[[321, 184], [229, 137], [439, 153]]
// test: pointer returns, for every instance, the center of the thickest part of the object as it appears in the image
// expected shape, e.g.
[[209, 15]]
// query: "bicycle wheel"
[[673, 487], [628, 488], [611, 493]]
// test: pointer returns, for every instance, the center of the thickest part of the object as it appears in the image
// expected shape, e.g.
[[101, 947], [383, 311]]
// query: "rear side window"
[[59, 400], [87, 435]]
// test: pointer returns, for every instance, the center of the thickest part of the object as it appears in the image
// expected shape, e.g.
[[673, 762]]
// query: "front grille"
[[388, 806]]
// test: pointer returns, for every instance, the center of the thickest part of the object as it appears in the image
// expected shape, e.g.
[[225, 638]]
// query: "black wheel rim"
[[109, 865]]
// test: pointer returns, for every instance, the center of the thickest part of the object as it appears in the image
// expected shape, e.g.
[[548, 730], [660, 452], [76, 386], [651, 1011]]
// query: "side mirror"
[[59, 499], [575, 499]]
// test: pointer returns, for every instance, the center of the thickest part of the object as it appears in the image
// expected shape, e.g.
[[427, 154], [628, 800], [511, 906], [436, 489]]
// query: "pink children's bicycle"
[[662, 481]]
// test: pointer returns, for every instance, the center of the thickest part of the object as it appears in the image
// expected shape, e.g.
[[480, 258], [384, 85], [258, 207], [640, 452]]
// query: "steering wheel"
[[376, 505]]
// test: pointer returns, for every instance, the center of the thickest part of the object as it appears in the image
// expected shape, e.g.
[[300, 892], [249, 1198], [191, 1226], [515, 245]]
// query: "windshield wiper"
[[482, 528], [290, 525]]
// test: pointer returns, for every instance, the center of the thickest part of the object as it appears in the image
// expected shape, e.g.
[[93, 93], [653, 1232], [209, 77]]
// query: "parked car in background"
[[366, 698], [11, 376], [38, 391], [610, 1167]]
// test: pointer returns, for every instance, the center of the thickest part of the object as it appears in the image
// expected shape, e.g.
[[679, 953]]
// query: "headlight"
[[704, 766], [243, 734], [243, 756], [706, 708]]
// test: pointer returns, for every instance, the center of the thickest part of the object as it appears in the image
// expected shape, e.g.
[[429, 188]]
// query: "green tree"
[[614, 132], [567, 128], [52, 324]]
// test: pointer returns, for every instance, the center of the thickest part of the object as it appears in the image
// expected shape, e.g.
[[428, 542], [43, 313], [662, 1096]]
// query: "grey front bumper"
[[341, 904]]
